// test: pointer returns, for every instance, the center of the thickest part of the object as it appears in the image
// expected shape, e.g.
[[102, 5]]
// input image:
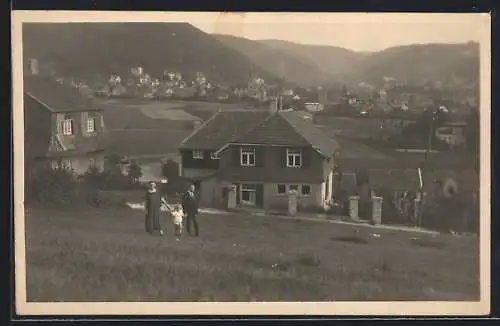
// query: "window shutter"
[[259, 157], [259, 195], [235, 155], [306, 157], [283, 157], [73, 131]]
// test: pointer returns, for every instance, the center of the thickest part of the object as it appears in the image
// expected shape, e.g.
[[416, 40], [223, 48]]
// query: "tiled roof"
[[314, 136], [259, 127], [55, 96], [223, 127], [76, 146], [290, 128], [144, 142]]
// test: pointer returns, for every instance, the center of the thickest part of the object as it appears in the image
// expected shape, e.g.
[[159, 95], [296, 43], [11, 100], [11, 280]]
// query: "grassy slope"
[[105, 256]]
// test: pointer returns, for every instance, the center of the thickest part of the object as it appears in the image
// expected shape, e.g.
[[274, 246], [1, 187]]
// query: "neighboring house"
[[62, 127], [265, 155]]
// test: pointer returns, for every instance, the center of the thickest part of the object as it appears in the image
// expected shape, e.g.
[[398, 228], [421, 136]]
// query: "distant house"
[[118, 90], [265, 155], [63, 128], [453, 133], [136, 72], [314, 106]]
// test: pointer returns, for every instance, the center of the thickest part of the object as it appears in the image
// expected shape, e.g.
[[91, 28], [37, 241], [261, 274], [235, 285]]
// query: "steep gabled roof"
[[290, 128], [260, 128], [223, 127], [55, 96]]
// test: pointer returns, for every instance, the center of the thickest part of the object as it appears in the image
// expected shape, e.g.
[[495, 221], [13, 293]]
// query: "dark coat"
[[153, 203], [190, 203]]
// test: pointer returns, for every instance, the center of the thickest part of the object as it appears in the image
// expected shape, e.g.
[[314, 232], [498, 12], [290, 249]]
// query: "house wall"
[[270, 166], [212, 189], [79, 123], [207, 163]]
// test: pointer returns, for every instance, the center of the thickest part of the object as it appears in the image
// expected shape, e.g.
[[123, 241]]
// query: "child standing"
[[178, 216]]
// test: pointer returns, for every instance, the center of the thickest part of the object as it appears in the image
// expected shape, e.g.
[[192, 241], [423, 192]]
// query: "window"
[[92, 163], [90, 125], [294, 158], [66, 164], [281, 189], [197, 154], [67, 127], [248, 194], [294, 188], [306, 190], [214, 156], [247, 156]]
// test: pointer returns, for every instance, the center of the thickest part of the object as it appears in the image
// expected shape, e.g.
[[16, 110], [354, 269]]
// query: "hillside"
[[293, 68], [455, 63], [102, 48], [450, 63], [332, 60]]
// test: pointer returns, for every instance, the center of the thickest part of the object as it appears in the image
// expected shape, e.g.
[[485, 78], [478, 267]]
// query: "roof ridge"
[[203, 125]]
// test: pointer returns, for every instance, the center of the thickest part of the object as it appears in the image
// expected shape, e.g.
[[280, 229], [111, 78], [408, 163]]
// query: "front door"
[[248, 194]]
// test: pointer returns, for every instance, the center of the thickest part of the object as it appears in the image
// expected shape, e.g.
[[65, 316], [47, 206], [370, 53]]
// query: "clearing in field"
[[155, 112], [105, 255]]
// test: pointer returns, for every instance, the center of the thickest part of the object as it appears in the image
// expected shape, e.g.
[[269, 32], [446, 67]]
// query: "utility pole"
[[423, 169]]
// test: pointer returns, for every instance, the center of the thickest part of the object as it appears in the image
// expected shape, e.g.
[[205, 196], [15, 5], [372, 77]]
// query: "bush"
[[54, 187]]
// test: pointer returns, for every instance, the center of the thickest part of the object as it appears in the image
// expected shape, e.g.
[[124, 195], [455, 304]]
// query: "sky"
[[358, 32]]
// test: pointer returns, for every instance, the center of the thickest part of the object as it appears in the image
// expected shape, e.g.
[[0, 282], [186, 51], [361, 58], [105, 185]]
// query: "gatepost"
[[231, 197], [292, 202], [377, 210], [354, 208]]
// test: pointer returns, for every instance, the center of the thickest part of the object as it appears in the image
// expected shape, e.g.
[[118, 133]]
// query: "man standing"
[[190, 207]]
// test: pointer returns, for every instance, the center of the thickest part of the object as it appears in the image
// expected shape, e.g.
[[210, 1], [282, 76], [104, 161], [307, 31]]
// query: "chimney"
[[33, 66]]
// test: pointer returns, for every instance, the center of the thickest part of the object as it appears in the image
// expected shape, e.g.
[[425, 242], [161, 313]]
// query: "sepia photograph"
[[251, 163]]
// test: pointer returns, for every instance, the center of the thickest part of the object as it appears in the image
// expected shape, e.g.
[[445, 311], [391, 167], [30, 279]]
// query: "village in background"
[[385, 151]]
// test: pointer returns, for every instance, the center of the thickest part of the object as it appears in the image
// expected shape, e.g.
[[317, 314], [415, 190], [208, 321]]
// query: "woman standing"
[[152, 206]]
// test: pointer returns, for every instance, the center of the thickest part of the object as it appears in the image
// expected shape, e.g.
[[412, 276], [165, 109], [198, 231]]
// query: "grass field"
[[104, 255]]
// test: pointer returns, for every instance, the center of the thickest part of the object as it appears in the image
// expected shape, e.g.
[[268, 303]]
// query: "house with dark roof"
[[265, 155], [63, 128]]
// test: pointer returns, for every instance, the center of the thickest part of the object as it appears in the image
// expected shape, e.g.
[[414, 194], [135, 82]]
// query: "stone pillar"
[[377, 210], [292, 203], [353, 208], [231, 197], [417, 208]]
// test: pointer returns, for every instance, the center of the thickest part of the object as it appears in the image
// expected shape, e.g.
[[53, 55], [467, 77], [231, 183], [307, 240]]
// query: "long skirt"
[[153, 221]]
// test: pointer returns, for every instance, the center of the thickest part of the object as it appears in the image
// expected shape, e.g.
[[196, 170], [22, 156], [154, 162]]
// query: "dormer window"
[[294, 158], [67, 127], [197, 154]]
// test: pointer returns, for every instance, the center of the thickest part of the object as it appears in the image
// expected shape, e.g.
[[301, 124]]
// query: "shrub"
[[134, 173], [53, 187]]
